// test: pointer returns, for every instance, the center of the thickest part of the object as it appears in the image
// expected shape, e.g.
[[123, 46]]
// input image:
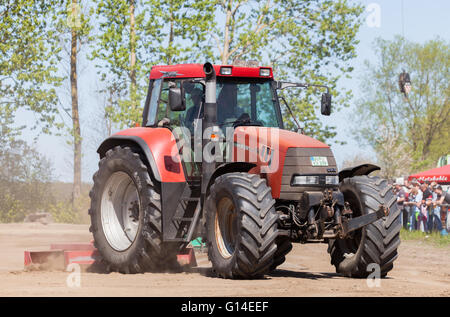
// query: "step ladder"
[[191, 220]]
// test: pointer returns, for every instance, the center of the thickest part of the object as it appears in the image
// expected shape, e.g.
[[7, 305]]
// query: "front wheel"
[[241, 224], [374, 247]]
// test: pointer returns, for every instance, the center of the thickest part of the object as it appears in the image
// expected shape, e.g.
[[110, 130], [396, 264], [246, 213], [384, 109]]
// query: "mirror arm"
[[320, 86], [300, 85]]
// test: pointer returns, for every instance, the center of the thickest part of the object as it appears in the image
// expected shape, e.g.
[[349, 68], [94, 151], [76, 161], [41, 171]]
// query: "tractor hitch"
[[352, 224]]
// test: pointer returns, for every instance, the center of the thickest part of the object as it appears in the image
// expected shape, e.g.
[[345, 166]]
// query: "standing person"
[[418, 195], [443, 201], [406, 206], [406, 185], [400, 203], [413, 208], [426, 208], [435, 219]]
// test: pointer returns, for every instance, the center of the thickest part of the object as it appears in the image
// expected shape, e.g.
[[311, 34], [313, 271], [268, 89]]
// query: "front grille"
[[298, 162]]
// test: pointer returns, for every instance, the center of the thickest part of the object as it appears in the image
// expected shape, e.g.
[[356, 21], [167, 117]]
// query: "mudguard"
[[363, 169], [158, 145]]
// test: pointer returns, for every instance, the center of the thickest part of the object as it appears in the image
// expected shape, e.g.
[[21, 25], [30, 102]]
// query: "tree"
[[182, 29], [304, 40], [72, 27], [418, 125], [392, 147], [308, 41], [356, 159], [28, 81], [75, 109], [123, 39], [25, 179], [28, 62], [134, 35]]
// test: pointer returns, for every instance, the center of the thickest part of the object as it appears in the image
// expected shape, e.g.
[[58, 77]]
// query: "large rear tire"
[[126, 215], [375, 243], [241, 224], [284, 246]]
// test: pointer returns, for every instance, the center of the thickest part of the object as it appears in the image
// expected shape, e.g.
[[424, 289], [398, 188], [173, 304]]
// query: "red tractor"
[[213, 160]]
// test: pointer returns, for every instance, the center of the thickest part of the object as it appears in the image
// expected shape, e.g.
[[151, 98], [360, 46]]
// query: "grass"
[[434, 238]]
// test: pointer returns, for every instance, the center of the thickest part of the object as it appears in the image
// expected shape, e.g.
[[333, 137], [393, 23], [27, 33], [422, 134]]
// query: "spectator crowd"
[[424, 206]]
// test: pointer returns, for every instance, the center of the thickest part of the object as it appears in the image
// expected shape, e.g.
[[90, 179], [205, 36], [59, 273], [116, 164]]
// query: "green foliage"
[[434, 238], [11, 209], [24, 181], [305, 41], [64, 212], [308, 41], [412, 131], [26, 186], [28, 61], [164, 32], [182, 27]]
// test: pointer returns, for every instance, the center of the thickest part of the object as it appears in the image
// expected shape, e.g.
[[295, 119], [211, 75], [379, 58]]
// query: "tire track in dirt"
[[421, 270]]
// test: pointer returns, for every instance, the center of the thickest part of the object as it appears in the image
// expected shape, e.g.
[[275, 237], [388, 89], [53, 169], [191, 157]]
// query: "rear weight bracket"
[[350, 225]]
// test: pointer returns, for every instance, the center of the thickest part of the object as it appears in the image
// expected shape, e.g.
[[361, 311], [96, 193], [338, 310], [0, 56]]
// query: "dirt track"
[[421, 270]]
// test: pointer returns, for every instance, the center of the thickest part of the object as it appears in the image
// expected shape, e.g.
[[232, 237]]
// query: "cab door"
[[185, 125]]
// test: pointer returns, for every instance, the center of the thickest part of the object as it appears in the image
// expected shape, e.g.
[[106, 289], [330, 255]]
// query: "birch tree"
[[307, 41], [28, 64], [420, 122], [133, 35]]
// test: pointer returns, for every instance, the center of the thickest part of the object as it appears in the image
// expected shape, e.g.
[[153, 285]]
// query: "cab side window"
[[194, 104], [153, 105], [194, 95]]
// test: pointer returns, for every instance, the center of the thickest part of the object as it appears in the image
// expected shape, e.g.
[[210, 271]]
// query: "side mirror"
[[325, 107], [177, 101]]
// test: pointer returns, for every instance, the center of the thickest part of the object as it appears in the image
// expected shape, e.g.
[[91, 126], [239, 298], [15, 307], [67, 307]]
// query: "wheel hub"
[[120, 211]]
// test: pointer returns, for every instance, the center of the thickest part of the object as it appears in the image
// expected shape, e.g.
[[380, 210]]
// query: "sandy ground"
[[421, 270]]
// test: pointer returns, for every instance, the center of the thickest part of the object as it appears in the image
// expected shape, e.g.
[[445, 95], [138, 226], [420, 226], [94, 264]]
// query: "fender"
[[231, 167], [363, 169], [157, 144]]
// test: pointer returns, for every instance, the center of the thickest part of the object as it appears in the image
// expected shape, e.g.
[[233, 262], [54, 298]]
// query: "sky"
[[421, 21]]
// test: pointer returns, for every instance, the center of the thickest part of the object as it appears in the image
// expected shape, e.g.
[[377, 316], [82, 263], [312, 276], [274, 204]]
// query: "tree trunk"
[[169, 55], [133, 55], [107, 114], [76, 191], [226, 40]]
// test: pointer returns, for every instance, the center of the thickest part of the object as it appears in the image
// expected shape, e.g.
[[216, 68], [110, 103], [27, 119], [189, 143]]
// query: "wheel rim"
[[226, 227], [120, 211]]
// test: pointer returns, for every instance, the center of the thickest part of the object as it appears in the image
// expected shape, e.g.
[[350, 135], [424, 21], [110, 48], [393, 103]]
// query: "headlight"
[[305, 180], [332, 180], [225, 70], [264, 72]]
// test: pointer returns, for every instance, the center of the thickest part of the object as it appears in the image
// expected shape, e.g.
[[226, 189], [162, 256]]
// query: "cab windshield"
[[239, 102], [246, 102]]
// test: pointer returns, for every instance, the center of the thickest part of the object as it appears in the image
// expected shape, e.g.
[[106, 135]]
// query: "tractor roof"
[[196, 71]]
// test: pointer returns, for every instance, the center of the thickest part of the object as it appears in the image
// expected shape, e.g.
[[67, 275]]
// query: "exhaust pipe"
[[210, 111], [209, 71], [209, 120]]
